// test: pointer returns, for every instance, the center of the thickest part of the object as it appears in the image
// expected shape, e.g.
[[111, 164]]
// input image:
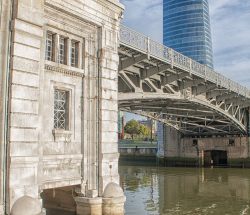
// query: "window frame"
[[67, 126], [62, 59], [76, 53], [80, 43], [50, 57]]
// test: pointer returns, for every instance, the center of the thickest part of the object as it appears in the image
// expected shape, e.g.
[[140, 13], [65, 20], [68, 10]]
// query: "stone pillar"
[[160, 140], [26, 205], [5, 18], [108, 98], [201, 157], [113, 200], [108, 107], [172, 142], [27, 40], [100, 151], [89, 206]]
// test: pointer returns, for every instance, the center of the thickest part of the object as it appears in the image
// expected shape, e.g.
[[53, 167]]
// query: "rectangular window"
[[61, 112], [49, 46], [195, 142], [74, 53], [231, 142], [62, 50]]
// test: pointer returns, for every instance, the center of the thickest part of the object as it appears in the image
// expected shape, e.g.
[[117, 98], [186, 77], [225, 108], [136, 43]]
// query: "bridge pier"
[[169, 140], [111, 202], [88, 206], [177, 150]]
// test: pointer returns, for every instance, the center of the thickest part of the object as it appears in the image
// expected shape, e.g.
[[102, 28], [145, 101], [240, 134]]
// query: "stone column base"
[[113, 206], [26, 205], [1, 210], [88, 206], [113, 200]]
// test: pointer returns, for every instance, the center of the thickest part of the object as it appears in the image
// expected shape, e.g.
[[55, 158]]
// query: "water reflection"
[[185, 191]]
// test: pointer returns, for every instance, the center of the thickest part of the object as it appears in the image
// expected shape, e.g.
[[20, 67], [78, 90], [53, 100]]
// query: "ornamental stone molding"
[[63, 71]]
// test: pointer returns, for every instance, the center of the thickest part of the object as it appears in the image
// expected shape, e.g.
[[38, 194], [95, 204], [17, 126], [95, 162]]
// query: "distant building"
[[186, 29], [121, 124]]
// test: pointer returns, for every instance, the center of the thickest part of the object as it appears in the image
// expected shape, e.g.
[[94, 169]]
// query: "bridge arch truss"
[[158, 82]]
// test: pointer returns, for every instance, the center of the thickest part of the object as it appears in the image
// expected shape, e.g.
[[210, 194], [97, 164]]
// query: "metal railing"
[[157, 50]]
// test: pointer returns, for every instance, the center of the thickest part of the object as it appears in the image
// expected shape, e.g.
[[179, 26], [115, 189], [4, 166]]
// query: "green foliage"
[[144, 130], [132, 127]]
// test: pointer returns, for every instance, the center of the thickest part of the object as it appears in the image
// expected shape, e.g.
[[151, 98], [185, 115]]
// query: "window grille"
[[74, 54], [62, 50], [49, 46], [60, 109]]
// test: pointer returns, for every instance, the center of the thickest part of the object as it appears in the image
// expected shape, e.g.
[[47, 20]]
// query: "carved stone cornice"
[[62, 135], [64, 71]]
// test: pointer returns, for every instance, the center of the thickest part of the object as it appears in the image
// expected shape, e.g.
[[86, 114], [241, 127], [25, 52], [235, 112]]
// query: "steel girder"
[[190, 116], [179, 91]]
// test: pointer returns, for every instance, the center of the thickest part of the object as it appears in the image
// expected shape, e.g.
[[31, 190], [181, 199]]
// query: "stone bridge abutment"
[[176, 149], [58, 109]]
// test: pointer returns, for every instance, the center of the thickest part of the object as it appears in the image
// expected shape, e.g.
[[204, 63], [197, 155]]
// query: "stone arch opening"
[[215, 158], [59, 201]]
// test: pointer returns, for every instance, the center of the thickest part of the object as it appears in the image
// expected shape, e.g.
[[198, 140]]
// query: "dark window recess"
[[195, 142], [231, 142]]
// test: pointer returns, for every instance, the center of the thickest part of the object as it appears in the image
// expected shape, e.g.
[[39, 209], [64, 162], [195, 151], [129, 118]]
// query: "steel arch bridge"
[[158, 82]]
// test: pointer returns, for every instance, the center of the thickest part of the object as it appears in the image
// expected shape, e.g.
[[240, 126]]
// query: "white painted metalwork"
[[140, 42], [155, 80]]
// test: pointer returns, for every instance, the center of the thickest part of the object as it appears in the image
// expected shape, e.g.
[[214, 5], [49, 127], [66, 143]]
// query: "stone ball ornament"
[[113, 190], [26, 205]]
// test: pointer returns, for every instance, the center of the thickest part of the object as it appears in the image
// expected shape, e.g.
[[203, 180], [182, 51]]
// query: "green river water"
[[179, 191]]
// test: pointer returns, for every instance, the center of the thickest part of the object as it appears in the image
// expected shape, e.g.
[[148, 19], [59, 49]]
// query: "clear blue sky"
[[230, 24]]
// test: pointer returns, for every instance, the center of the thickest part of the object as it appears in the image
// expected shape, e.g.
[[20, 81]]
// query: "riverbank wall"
[[178, 151], [153, 160]]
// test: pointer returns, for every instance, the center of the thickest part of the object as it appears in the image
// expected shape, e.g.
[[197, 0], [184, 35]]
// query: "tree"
[[132, 127], [144, 130]]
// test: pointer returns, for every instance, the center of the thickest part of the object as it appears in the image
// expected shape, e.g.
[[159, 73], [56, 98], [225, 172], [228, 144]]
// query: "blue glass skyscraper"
[[186, 29]]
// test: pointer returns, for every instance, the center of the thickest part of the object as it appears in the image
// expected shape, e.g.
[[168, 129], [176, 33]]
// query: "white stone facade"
[[4, 65], [39, 155]]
